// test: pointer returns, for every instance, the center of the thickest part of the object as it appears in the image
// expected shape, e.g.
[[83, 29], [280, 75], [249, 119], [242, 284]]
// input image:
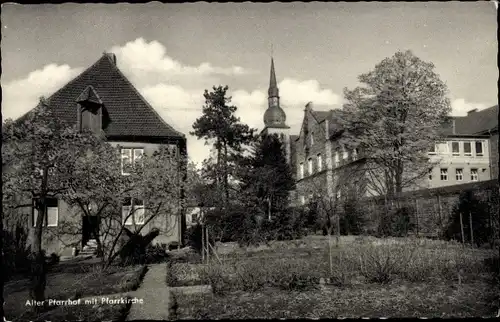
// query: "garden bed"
[[367, 300], [378, 268], [72, 282]]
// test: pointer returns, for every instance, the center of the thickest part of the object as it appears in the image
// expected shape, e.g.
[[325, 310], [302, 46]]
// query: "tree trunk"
[[3, 274], [38, 265], [226, 179]]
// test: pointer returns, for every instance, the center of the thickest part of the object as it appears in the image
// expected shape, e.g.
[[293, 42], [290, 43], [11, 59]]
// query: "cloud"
[[294, 95], [460, 107], [148, 63], [20, 96]]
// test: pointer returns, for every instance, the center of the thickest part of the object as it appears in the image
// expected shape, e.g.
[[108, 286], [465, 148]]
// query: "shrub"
[[15, 252], [194, 237], [134, 250], [352, 218], [397, 223], [155, 254], [470, 204], [217, 276]]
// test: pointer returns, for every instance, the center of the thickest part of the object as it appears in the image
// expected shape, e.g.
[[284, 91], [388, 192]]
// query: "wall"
[[494, 155], [431, 209]]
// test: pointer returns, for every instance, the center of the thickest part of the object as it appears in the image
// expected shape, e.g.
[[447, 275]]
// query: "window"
[[133, 211], [312, 138], [442, 148], [444, 174], [301, 170], [320, 162], [337, 158], [459, 174], [345, 154], [474, 175], [354, 154], [310, 165], [432, 149], [52, 213], [479, 148], [467, 149], [131, 158], [302, 200], [455, 148]]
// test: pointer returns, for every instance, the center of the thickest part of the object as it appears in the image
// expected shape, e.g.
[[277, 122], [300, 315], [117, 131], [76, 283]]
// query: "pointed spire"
[[273, 87]]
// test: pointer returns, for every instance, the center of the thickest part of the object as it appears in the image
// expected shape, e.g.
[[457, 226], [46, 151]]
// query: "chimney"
[[472, 111], [112, 57], [309, 106]]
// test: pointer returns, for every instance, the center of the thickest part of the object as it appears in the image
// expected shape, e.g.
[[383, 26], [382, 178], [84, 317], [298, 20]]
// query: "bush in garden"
[[469, 203], [397, 223], [352, 218]]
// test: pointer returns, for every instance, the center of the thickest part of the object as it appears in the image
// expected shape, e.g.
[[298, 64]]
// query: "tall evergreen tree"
[[268, 179], [218, 123]]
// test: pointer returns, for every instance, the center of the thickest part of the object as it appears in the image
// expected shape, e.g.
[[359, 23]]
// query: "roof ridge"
[[143, 99], [74, 79]]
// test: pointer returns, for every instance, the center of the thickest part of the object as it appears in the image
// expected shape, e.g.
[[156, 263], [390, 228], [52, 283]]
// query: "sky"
[[173, 52]]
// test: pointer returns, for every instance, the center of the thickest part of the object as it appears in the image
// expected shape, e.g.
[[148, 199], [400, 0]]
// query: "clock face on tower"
[[273, 101]]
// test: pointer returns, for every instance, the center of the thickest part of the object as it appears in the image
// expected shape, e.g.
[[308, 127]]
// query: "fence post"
[[440, 211], [202, 243], [207, 241], [471, 232], [462, 229], [416, 215]]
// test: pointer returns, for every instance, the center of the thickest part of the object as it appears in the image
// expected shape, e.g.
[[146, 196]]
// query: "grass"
[[73, 281], [391, 276], [369, 300]]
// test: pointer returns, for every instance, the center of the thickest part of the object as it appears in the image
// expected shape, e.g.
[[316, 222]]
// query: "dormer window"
[[89, 110]]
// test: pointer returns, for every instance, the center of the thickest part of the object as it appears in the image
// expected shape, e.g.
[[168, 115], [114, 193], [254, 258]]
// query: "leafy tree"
[[38, 152], [219, 123], [395, 119], [154, 182]]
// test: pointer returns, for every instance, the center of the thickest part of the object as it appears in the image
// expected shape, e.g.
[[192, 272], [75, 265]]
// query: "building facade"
[[322, 167], [102, 99]]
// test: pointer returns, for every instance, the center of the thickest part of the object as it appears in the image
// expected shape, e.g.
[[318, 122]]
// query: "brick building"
[[102, 99], [321, 166]]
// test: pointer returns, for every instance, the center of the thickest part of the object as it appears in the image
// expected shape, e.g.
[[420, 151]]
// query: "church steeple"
[[273, 87]]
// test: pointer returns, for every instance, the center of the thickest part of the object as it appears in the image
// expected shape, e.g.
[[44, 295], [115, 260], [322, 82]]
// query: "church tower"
[[275, 117]]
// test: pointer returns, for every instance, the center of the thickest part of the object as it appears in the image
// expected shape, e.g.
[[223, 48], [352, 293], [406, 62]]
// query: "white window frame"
[[302, 200], [132, 155], [474, 174], [46, 219], [443, 174], [320, 162], [433, 152], [354, 154], [455, 154], [301, 170], [446, 148], [459, 174], [139, 212], [345, 154], [468, 154], [310, 166], [482, 148]]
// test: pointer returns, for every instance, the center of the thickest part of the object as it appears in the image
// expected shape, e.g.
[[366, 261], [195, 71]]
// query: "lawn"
[[73, 280], [369, 277]]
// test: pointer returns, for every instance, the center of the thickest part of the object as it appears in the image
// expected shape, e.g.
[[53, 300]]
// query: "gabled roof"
[[129, 113], [477, 122]]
